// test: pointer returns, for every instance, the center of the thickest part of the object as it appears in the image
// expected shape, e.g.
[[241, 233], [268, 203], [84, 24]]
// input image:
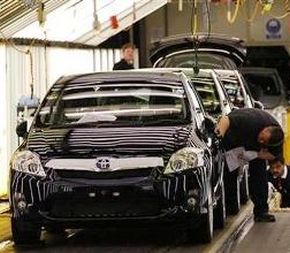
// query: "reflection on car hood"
[[90, 142], [234, 47]]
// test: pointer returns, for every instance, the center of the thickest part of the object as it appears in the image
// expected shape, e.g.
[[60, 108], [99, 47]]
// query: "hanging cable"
[[26, 52], [208, 19], [193, 18], [195, 39], [232, 18], [253, 16], [287, 11], [180, 5], [195, 42]]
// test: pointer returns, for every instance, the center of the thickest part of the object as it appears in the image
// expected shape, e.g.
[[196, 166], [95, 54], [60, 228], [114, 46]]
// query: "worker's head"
[[277, 166], [128, 52], [271, 136]]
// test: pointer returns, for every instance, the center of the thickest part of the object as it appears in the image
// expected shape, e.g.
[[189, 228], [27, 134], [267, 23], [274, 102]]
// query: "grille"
[[104, 175], [125, 205]]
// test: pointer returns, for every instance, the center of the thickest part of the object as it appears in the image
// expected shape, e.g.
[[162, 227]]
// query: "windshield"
[[126, 103], [186, 59]]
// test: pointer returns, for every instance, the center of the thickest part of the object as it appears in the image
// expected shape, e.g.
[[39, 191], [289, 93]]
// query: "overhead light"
[[41, 14], [96, 23]]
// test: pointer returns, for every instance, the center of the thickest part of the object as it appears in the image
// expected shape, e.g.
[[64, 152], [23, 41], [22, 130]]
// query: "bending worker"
[[258, 131]]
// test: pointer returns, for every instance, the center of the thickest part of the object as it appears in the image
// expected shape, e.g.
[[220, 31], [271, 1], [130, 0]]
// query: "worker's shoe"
[[265, 217]]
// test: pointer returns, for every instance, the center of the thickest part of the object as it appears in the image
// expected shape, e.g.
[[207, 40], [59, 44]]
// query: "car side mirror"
[[21, 129], [209, 124], [258, 105]]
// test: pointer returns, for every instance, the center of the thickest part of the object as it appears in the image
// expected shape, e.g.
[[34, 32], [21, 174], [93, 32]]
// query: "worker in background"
[[279, 176], [127, 60], [255, 130]]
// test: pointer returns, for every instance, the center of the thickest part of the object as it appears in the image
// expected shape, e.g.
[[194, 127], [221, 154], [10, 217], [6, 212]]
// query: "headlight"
[[28, 162], [184, 159]]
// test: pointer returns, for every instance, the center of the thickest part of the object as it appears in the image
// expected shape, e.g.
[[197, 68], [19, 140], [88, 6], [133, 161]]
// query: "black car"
[[211, 52], [266, 85], [117, 147]]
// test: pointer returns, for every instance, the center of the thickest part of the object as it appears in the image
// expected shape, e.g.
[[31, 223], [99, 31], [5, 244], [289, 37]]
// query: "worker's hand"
[[265, 155]]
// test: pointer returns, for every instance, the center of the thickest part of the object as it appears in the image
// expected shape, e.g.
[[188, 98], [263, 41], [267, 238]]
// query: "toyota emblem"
[[103, 163]]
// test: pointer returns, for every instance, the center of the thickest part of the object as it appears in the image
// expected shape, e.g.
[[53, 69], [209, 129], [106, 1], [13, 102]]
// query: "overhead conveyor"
[[15, 15], [84, 21]]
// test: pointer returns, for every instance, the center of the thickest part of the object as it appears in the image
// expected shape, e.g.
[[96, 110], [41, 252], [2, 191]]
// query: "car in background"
[[267, 86], [212, 52], [122, 146]]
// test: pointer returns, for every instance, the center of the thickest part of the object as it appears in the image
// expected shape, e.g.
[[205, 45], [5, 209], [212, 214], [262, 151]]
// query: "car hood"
[[126, 141], [232, 48]]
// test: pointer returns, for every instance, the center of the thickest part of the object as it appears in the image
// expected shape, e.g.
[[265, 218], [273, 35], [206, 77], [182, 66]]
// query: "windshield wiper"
[[98, 124], [165, 122]]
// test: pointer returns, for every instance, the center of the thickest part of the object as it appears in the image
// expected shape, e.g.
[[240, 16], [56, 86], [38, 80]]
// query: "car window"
[[186, 59], [234, 90], [116, 103], [208, 93], [265, 87], [267, 84]]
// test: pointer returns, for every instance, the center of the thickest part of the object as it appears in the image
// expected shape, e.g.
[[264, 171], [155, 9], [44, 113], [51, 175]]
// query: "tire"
[[232, 188], [25, 232], [204, 232], [220, 209], [244, 188]]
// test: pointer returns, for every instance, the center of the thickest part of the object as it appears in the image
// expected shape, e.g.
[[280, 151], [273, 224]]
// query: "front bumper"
[[71, 200]]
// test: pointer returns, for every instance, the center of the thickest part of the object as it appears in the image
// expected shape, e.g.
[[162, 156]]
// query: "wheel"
[[232, 191], [204, 232], [24, 232], [244, 187], [220, 210]]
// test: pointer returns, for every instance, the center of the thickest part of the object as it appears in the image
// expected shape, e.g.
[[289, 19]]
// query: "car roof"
[[122, 75], [186, 71]]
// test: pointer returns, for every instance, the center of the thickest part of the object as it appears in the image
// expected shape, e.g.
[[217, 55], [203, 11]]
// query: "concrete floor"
[[117, 240], [267, 237]]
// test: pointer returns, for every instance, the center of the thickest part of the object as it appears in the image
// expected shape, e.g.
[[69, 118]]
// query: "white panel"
[[104, 59], [18, 80], [110, 59], [117, 55], [62, 61], [97, 58], [3, 124]]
